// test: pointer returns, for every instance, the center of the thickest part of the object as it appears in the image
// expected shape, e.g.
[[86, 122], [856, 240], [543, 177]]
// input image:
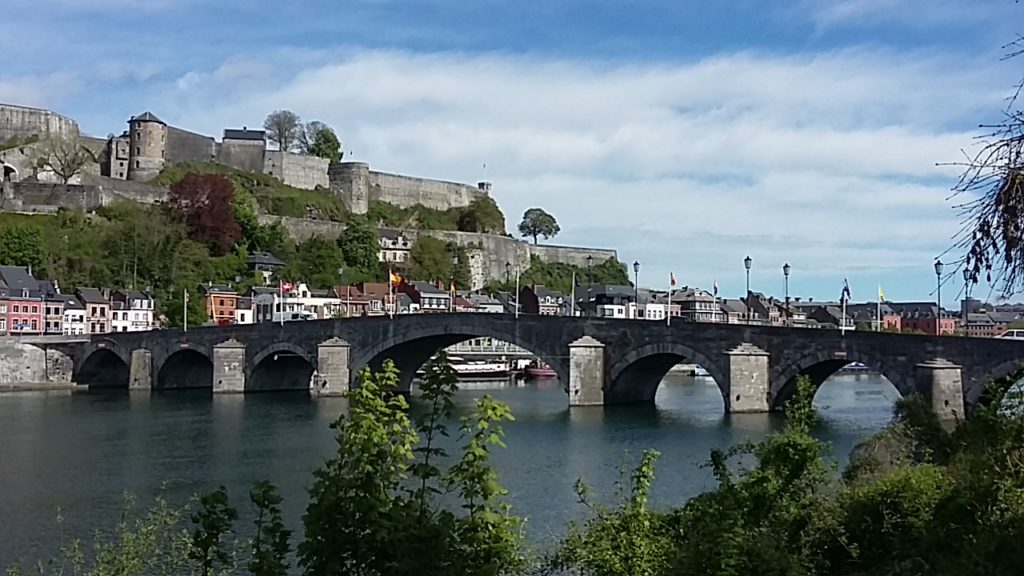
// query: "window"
[[220, 302], [35, 309], [35, 324], [138, 150], [16, 309], [3, 308], [137, 164], [3, 324]]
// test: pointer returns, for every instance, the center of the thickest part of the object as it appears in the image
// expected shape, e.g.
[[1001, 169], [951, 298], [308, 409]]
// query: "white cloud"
[[826, 160], [917, 13]]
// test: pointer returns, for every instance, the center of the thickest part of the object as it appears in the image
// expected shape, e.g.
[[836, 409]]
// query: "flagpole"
[[878, 312], [517, 290], [184, 307], [391, 294], [842, 321], [572, 296], [280, 291], [668, 302]]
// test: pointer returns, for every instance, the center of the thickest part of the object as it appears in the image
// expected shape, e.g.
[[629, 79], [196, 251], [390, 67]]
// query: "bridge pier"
[[941, 382], [229, 367], [586, 372], [140, 372], [749, 384], [333, 368]]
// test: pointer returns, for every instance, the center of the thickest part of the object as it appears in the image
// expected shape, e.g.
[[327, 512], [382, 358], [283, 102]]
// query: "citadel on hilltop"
[[150, 144]]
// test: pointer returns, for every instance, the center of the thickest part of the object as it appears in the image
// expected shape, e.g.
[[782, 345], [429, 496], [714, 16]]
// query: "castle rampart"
[[24, 122], [308, 172], [357, 186]]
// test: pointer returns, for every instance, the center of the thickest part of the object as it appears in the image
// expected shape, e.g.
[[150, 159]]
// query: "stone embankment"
[[29, 364]]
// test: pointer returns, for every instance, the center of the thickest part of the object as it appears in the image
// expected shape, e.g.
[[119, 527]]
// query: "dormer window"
[[24, 293]]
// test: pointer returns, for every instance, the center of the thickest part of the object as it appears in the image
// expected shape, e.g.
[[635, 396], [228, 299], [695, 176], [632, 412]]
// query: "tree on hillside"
[[22, 245], [319, 139], [536, 222], [359, 246], [482, 215], [283, 128], [204, 203], [64, 157], [318, 261], [431, 260]]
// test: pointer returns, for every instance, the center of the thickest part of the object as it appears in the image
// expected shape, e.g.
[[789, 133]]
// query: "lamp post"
[[785, 275], [938, 297], [590, 281], [747, 262], [636, 287], [451, 285], [508, 271], [967, 299]]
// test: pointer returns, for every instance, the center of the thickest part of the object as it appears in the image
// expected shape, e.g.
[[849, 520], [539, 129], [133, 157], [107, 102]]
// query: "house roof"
[[427, 288], [391, 233], [91, 296], [733, 306], [545, 292], [263, 259], [73, 303], [217, 289], [244, 134], [18, 278], [146, 116]]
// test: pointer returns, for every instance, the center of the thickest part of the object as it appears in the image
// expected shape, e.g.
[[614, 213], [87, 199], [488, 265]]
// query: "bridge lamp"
[[785, 274], [938, 296], [590, 280], [747, 262], [636, 286]]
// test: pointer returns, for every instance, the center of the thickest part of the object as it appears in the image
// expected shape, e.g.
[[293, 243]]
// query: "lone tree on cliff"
[[64, 157], [537, 222], [319, 139], [284, 128]]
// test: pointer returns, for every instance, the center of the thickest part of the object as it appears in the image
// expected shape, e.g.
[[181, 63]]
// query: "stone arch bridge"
[[599, 361]]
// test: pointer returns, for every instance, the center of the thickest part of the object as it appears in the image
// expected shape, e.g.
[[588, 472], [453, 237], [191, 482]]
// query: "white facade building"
[[74, 317], [131, 311]]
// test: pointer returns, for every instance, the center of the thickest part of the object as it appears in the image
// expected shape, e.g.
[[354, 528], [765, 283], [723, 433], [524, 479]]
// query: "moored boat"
[[540, 370]]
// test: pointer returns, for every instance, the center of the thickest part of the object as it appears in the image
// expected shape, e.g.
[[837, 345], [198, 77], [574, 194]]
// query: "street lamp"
[[938, 297], [747, 262], [451, 285], [785, 275], [508, 271], [636, 287], [590, 280]]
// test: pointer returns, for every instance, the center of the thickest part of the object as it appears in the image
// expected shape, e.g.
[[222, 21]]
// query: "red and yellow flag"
[[396, 279]]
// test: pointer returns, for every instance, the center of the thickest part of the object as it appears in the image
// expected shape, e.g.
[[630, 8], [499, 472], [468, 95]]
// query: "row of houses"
[[30, 306]]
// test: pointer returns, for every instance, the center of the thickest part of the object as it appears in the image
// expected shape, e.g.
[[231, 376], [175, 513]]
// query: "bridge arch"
[[104, 364], [976, 390], [820, 365], [635, 377], [185, 368], [410, 349], [280, 366]]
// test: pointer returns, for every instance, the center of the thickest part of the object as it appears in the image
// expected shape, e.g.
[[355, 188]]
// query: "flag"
[[881, 294], [672, 279], [186, 295], [714, 289], [846, 291], [396, 279], [287, 286]]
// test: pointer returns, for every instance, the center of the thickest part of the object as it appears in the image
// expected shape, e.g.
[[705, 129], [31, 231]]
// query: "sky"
[[684, 134]]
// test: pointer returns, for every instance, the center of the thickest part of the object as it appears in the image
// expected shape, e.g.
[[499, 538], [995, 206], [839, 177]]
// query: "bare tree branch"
[[65, 157]]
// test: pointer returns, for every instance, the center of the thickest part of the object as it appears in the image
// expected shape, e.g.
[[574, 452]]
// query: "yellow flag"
[[881, 294]]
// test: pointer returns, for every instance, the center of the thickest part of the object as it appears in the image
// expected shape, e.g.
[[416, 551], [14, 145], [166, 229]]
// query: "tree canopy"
[[319, 139], [22, 245], [360, 247], [283, 128], [205, 203], [536, 222]]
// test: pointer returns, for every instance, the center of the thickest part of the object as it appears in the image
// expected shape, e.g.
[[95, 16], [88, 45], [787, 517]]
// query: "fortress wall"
[[113, 189], [495, 250], [406, 191], [242, 154], [307, 172], [22, 122], [185, 146], [22, 158], [40, 197]]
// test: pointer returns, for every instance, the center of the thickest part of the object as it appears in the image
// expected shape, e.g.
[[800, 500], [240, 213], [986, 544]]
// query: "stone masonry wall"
[[185, 146], [22, 122], [357, 186], [307, 172], [495, 250]]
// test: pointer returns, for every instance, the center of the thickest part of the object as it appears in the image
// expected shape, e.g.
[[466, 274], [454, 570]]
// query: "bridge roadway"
[[599, 361]]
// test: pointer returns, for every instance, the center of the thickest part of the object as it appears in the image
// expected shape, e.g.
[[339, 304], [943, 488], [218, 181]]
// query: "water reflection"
[[80, 451]]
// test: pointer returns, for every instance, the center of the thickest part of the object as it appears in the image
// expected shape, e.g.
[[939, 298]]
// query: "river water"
[[80, 451]]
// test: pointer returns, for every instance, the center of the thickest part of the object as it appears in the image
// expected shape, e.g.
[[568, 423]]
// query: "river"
[[80, 451]]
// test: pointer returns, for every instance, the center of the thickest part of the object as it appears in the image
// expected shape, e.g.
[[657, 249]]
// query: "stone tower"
[[147, 149], [351, 182]]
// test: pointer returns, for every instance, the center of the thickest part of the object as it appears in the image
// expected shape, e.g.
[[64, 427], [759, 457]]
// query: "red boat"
[[540, 370]]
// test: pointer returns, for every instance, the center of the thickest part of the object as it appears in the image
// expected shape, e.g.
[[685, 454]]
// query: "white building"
[[395, 246], [74, 316], [244, 311], [320, 303], [131, 311]]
